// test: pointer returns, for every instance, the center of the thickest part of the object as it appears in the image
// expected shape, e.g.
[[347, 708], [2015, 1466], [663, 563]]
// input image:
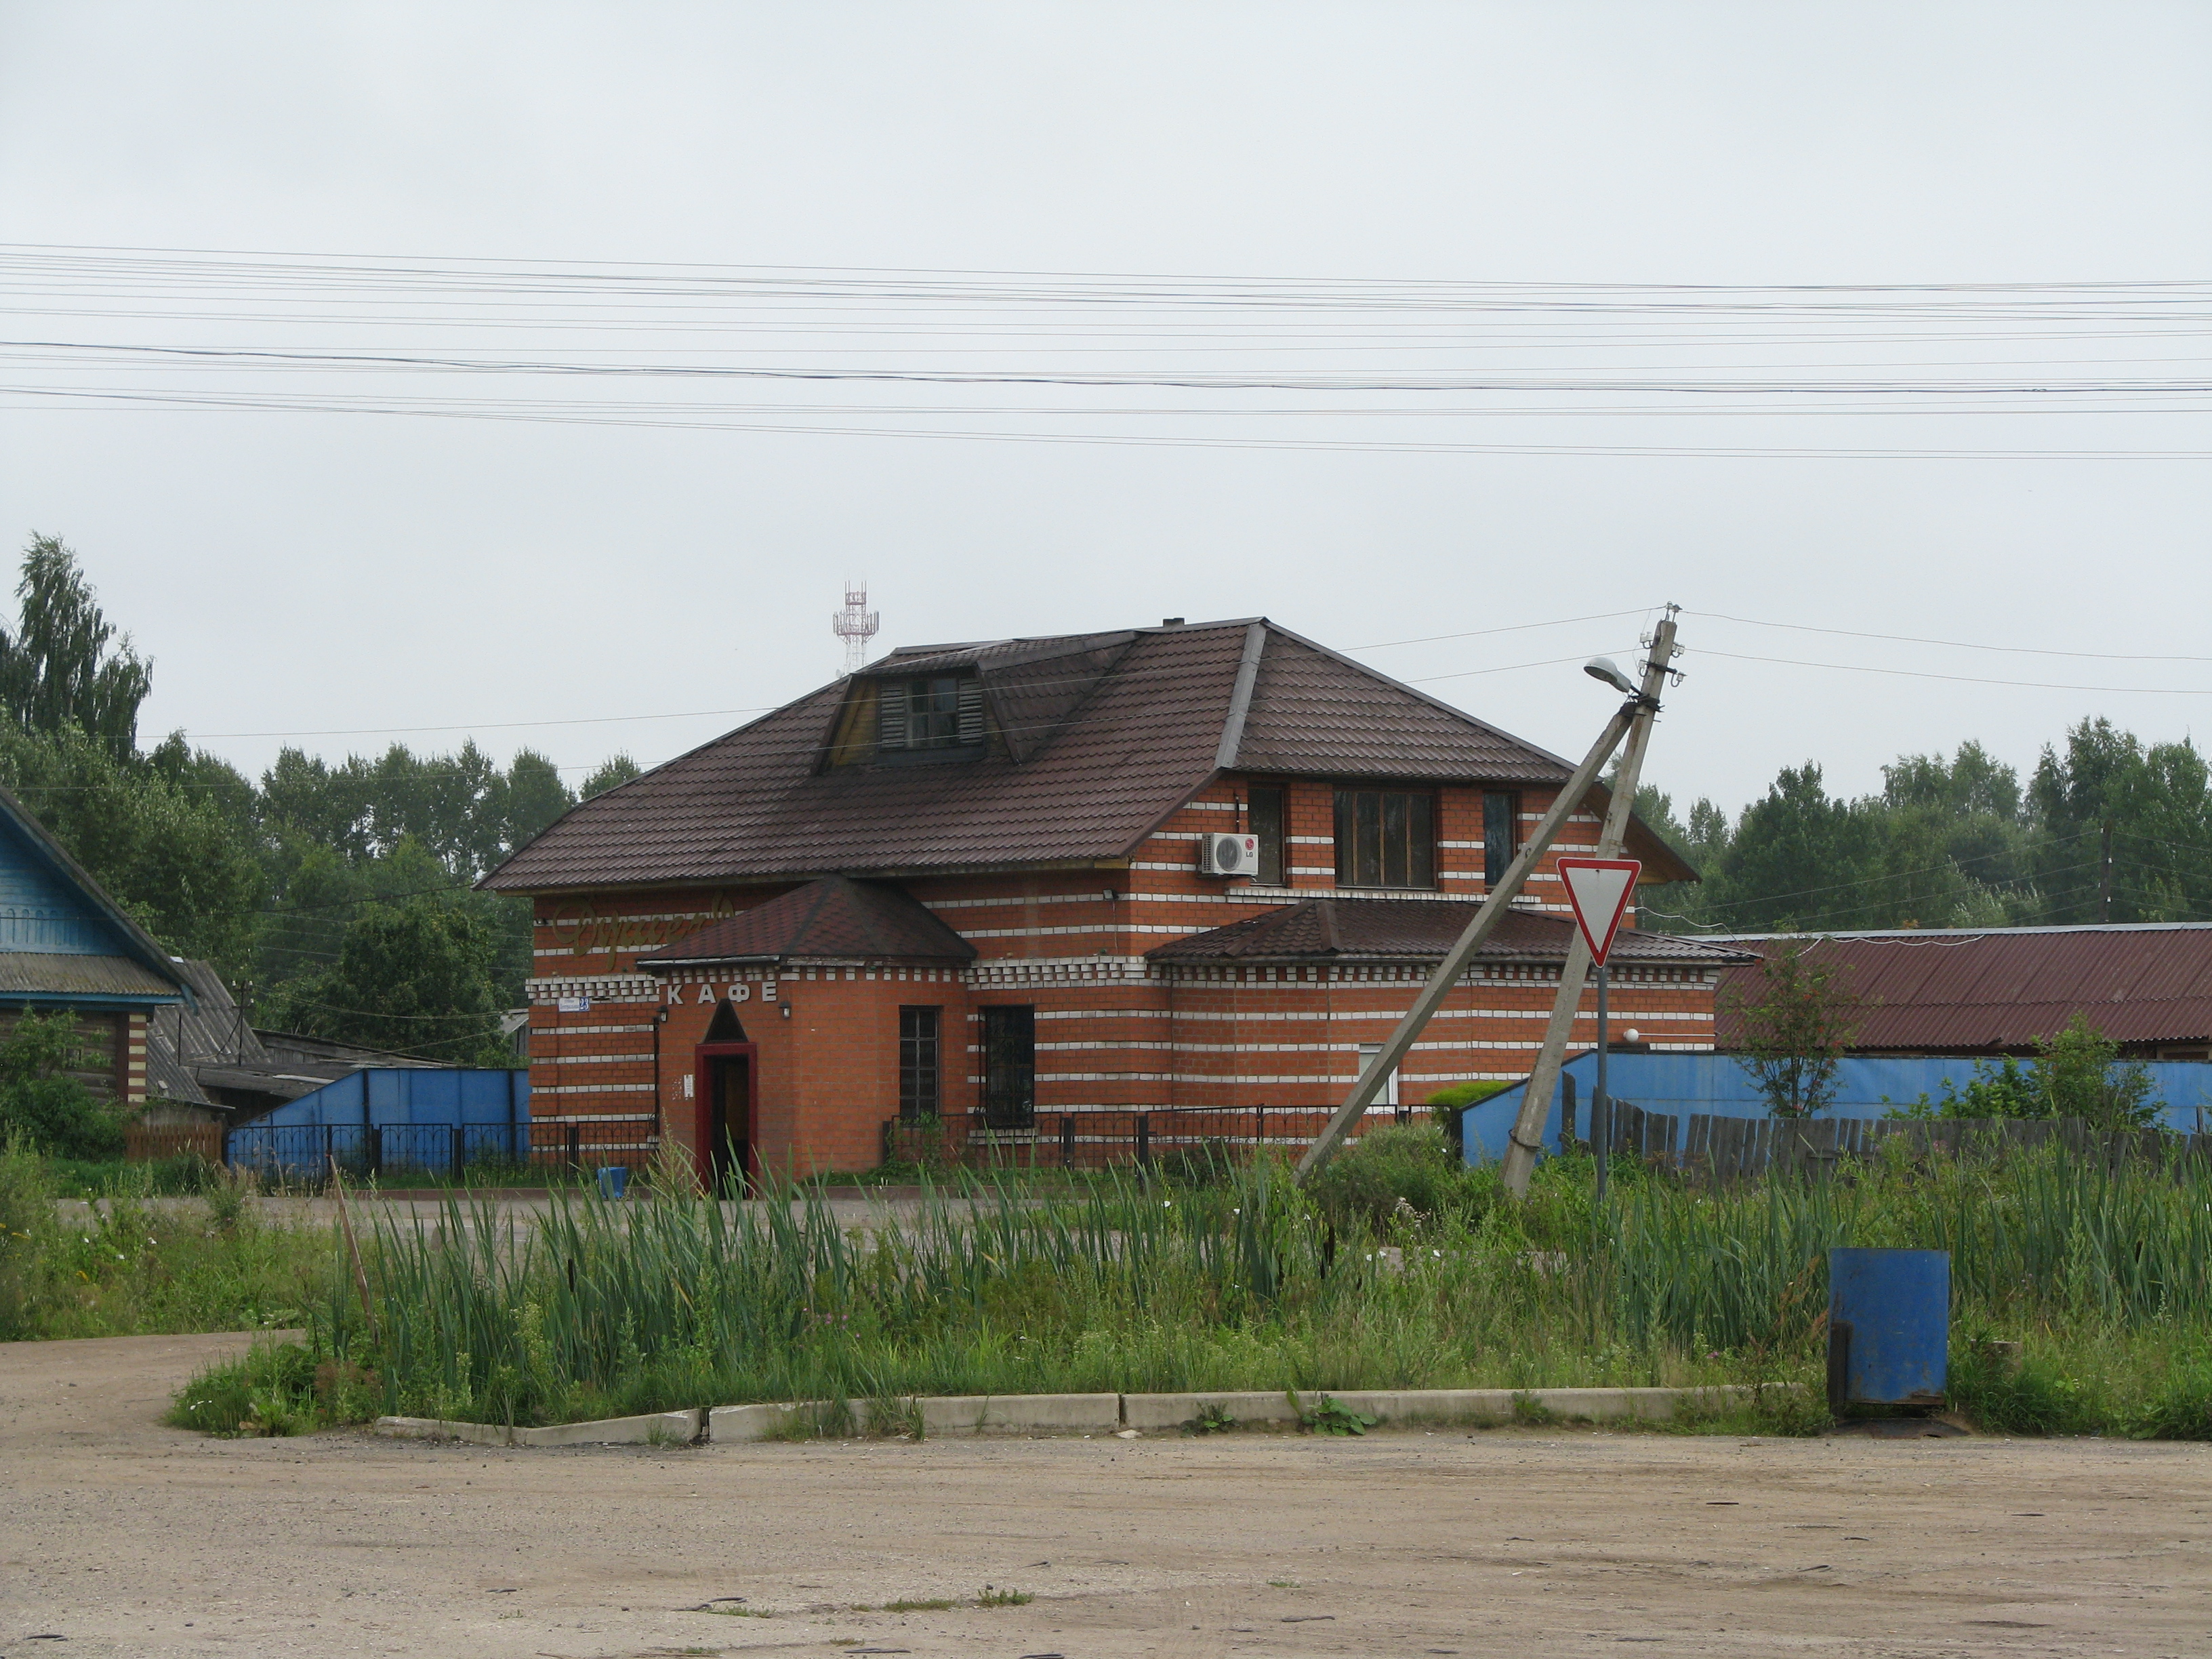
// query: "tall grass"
[[125, 1265], [1248, 1283]]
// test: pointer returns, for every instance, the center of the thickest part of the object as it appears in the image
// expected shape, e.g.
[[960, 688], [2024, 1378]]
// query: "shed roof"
[[833, 917], [1397, 930], [1962, 991], [1096, 739]]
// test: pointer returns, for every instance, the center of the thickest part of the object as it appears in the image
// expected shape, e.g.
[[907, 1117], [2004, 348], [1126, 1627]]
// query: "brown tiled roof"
[[1314, 711], [1397, 930], [1096, 739], [834, 917], [1940, 990]]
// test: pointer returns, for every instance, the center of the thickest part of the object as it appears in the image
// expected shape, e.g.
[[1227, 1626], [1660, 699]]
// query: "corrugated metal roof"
[[1097, 737], [1381, 929], [54, 973], [834, 917], [1965, 992]]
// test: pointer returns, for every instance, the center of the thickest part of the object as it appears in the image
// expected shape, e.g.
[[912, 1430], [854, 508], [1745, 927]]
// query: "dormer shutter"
[[971, 711], [890, 719]]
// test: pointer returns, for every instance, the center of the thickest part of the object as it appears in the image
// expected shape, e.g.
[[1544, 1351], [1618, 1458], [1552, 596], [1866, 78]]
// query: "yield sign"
[[1600, 890]]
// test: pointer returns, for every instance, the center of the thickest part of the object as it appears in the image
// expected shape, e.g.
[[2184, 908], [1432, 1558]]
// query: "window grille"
[[1010, 1068], [920, 1069], [1385, 838]]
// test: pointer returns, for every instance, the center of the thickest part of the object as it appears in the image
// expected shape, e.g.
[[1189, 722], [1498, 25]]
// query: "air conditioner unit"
[[1229, 855]]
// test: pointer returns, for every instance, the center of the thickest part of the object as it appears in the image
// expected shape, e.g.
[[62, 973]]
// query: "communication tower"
[[856, 625]]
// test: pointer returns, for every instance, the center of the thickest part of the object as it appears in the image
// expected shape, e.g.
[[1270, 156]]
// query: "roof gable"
[[59, 930]]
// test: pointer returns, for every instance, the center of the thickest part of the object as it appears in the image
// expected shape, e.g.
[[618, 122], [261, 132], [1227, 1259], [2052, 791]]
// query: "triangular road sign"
[[1600, 890]]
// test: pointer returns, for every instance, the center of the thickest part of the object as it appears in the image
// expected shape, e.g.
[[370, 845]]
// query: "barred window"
[[1010, 1068], [1385, 838], [920, 1071]]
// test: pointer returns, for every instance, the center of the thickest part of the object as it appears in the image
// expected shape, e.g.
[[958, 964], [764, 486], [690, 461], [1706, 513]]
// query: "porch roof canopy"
[[834, 918]]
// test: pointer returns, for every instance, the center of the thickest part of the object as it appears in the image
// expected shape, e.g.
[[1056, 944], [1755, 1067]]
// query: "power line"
[[1957, 645], [1964, 679]]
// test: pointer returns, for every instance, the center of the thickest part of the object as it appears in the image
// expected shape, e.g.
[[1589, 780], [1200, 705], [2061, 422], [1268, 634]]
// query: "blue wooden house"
[[64, 944]]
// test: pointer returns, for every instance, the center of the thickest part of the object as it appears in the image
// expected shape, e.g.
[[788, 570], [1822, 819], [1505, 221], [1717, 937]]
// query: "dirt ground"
[[121, 1537]]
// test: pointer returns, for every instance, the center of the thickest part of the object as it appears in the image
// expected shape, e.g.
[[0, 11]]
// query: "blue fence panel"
[[1717, 1085], [393, 1117]]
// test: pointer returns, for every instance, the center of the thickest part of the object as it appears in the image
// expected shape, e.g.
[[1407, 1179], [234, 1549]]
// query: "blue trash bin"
[[1889, 1327], [614, 1181]]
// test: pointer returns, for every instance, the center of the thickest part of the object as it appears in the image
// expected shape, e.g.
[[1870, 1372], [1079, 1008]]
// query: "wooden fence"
[[1744, 1148], [146, 1142]]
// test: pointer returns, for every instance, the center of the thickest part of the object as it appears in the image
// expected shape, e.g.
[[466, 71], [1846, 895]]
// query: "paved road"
[[127, 1538]]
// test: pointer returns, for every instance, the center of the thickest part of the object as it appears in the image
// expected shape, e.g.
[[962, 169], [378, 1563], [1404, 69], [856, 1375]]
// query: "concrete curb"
[[1021, 1414], [662, 1428], [655, 1428], [434, 1428], [950, 1415]]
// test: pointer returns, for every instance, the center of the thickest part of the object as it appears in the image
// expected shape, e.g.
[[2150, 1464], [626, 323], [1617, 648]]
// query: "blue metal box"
[[1889, 1327]]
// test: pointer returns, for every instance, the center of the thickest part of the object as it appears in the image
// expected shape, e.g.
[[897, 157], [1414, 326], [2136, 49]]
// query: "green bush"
[[1411, 1165], [2076, 1074], [40, 1104]]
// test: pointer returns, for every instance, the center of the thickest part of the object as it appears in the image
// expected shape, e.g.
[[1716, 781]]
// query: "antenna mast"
[[856, 625]]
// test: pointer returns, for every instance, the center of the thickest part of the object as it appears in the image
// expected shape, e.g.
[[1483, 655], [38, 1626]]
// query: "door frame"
[[703, 1057]]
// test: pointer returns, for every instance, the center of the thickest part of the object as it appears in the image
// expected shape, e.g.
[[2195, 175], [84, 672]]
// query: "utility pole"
[[1526, 1140], [1494, 908], [2104, 874]]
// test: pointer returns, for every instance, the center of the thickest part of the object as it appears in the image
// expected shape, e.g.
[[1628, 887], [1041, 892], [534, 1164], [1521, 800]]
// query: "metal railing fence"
[[1096, 1138]]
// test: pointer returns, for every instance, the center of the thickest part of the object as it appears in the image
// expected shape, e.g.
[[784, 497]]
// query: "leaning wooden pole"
[[1493, 909], [1526, 1138]]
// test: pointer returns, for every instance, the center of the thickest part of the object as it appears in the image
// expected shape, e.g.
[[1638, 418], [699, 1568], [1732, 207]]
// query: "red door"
[[723, 1141]]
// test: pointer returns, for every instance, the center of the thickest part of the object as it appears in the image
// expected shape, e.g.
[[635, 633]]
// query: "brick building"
[[972, 879]]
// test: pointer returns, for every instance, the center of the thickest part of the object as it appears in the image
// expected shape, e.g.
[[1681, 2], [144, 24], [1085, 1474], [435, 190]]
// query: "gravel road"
[[122, 1537]]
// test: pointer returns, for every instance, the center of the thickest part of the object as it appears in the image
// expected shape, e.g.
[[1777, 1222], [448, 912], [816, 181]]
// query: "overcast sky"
[[293, 571]]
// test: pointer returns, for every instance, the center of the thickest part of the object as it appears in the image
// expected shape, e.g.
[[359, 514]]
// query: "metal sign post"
[[1600, 890]]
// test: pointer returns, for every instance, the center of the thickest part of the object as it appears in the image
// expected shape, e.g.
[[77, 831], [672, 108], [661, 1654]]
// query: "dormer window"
[[938, 713]]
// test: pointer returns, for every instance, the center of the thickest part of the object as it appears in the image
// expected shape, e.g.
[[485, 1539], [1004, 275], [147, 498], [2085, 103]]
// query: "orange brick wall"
[[1112, 1031]]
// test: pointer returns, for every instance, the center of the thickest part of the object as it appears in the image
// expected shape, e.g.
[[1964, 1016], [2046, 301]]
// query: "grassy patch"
[[276, 1388], [129, 1267], [1244, 1282]]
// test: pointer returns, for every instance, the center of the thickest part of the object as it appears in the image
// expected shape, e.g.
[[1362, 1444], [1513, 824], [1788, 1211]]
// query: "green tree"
[[62, 665], [170, 851], [613, 773], [2158, 801], [1795, 1029], [416, 978]]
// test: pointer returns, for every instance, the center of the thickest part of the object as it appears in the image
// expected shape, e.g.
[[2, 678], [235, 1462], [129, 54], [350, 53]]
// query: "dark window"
[[1385, 838], [1010, 1068], [919, 1069], [1501, 833], [1264, 810], [943, 712]]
